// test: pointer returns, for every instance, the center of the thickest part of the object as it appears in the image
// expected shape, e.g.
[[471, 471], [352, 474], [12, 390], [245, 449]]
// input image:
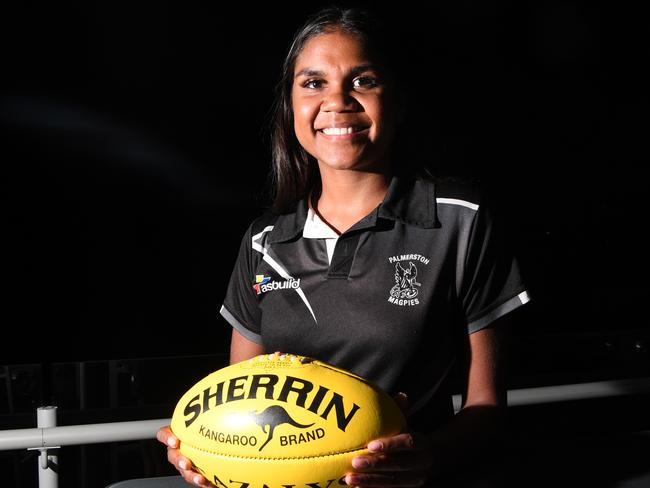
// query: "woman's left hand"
[[400, 460]]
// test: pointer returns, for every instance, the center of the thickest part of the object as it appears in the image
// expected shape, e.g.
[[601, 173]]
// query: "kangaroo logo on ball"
[[272, 417]]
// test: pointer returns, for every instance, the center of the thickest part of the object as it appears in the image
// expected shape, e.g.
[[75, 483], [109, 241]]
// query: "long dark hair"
[[294, 172]]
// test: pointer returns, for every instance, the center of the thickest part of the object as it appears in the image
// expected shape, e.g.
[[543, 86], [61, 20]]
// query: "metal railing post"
[[48, 475]]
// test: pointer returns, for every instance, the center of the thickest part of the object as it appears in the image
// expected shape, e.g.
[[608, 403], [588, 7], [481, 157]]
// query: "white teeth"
[[338, 131]]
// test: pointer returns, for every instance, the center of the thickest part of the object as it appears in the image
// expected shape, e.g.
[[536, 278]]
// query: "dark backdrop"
[[135, 155]]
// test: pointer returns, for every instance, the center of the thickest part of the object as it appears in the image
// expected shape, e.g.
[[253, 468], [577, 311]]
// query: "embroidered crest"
[[406, 288], [405, 282]]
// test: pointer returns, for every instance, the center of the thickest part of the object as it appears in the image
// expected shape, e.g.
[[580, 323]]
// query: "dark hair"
[[294, 172]]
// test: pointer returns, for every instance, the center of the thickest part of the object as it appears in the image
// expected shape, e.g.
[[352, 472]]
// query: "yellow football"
[[280, 421]]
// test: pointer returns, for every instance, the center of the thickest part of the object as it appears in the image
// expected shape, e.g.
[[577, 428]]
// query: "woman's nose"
[[339, 100]]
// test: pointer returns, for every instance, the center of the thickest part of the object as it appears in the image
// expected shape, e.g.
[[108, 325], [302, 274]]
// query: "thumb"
[[402, 401]]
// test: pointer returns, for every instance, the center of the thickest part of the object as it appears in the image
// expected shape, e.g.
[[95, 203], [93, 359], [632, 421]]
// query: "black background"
[[136, 154]]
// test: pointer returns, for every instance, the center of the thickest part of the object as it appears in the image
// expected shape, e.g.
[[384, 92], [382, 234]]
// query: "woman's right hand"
[[180, 462]]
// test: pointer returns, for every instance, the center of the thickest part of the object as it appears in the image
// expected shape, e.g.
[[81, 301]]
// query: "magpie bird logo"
[[405, 282]]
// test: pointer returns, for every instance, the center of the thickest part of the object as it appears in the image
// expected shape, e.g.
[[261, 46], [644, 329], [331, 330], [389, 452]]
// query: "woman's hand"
[[240, 349], [180, 462], [401, 460]]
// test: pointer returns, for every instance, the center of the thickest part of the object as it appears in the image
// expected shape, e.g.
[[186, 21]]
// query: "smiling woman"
[[341, 72], [365, 264], [343, 108], [343, 105]]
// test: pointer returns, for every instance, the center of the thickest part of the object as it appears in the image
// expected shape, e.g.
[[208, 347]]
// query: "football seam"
[[274, 458]]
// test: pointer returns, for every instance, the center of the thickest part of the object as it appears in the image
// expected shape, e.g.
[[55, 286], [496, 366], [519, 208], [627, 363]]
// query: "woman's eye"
[[365, 81], [361, 82], [313, 84]]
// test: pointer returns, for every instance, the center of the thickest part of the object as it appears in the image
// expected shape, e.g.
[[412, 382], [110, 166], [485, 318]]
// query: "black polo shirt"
[[429, 263]]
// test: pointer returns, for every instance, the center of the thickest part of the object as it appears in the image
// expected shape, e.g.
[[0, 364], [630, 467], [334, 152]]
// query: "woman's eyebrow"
[[354, 71], [309, 72]]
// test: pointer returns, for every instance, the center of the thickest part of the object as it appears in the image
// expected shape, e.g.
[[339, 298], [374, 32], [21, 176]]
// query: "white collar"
[[315, 228]]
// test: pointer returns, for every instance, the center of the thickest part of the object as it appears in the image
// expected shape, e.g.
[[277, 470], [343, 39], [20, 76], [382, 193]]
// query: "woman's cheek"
[[304, 120]]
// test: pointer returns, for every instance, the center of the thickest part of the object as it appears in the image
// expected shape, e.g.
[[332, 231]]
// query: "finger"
[[185, 468], [181, 463], [382, 480], [394, 443], [195, 479], [166, 436], [392, 462]]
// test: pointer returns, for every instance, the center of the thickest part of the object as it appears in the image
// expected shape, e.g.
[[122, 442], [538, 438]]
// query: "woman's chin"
[[349, 164]]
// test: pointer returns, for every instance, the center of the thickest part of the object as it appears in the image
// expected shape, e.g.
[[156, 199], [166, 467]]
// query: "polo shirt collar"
[[315, 228], [408, 200], [289, 226], [412, 201]]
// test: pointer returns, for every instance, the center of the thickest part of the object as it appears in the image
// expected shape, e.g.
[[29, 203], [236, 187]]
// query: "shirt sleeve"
[[240, 305], [492, 280]]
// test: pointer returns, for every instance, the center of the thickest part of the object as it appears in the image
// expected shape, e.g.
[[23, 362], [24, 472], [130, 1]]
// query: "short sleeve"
[[240, 305], [492, 282]]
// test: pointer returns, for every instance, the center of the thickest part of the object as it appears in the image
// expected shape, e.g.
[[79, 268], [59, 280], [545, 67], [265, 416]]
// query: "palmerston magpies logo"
[[405, 282], [406, 288]]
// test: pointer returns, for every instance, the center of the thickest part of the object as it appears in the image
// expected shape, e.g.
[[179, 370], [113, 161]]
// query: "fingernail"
[[197, 479], [171, 442], [182, 464], [376, 446], [360, 463], [352, 479]]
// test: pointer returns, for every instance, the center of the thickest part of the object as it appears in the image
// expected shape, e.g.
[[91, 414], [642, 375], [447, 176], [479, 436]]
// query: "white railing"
[[566, 393], [71, 435], [47, 436]]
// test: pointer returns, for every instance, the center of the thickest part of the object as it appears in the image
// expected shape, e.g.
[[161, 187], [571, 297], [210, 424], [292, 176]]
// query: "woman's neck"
[[348, 196]]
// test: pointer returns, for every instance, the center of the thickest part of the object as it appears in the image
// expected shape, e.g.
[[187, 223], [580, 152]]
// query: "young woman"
[[364, 264]]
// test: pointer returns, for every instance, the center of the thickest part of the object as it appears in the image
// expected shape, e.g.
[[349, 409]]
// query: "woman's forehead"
[[334, 49]]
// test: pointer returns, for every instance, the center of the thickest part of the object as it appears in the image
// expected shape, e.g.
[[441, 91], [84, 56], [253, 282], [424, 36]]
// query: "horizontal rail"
[[566, 393], [70, 435], [580, 391], [146, 429]]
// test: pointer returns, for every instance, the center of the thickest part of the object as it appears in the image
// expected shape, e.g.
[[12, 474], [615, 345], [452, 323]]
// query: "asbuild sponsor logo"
[[263, 284]]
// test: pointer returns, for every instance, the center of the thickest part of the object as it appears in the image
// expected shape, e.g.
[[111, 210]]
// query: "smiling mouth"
[[342, 131]]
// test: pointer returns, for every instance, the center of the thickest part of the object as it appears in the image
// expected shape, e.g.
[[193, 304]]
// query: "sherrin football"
[[280, 421]]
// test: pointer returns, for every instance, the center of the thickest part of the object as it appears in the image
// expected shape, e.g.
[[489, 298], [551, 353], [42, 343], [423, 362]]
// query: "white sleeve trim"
[[239, 327], [456, 201], [501, 310]]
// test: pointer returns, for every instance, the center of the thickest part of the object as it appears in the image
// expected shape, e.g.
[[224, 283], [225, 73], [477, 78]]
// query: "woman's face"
[[343, 107]]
